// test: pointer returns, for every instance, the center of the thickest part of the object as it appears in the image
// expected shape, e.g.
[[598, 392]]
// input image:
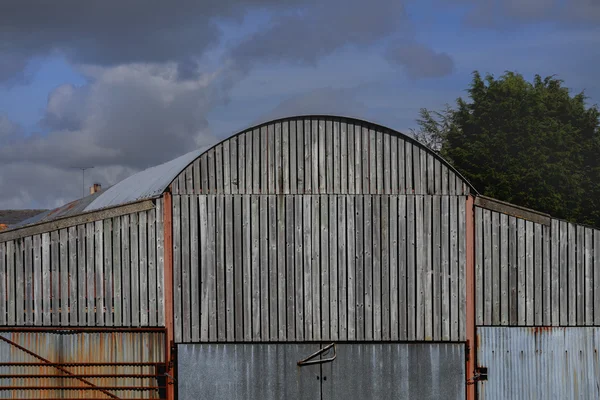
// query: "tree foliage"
[[529, 143]]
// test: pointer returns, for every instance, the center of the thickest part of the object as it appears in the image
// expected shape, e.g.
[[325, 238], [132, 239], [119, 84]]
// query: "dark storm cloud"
[[420, 61]]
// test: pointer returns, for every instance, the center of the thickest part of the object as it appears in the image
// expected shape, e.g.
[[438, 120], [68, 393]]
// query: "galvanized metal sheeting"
[[98, 347], [360, 371], [319, 155], [530, 274], [103, 273], [539, 363], [310, 268]]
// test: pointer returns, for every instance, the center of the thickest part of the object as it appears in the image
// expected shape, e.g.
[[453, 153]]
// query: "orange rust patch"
[[541, 329]]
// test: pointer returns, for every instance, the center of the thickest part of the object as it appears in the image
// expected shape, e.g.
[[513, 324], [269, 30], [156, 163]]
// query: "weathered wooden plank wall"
[[319, 267], [533, 274], [86, 275], [325, 155]]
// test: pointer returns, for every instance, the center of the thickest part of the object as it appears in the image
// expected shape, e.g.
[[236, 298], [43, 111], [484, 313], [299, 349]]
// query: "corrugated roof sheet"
[[13, 217], [146, 184]]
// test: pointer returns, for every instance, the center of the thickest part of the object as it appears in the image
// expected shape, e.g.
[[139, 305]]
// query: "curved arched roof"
[[152, 182]]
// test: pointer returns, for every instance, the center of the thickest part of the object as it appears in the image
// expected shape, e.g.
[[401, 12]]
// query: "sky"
[[122, 86]]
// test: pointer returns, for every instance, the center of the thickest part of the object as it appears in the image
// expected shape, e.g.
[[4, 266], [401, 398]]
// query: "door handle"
[[309, 360]]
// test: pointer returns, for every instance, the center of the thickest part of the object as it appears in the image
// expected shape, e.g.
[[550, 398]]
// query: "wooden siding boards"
[[74, 276], [314, 268], [545, 274]]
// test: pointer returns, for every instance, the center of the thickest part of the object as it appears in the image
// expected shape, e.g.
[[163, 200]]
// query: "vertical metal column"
[[168, 288]]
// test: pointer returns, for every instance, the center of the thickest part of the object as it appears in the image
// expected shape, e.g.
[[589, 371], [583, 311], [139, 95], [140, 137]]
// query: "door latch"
[[325, 350]]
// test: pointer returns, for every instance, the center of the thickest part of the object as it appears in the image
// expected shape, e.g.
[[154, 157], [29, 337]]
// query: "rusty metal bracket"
[[309, 360], [479, 375]]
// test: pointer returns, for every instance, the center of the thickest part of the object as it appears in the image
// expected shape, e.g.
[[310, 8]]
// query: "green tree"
[[529, 143]]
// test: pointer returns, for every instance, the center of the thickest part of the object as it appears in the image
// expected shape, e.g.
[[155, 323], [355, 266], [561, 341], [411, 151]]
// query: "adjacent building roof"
[[8, 218]]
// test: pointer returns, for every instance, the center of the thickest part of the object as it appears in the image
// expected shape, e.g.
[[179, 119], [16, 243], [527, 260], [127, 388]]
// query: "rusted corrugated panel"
[[539, 363], [96, 347]]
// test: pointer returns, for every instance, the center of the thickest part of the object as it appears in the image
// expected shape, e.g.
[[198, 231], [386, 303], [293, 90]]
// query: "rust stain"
[[538, 330]]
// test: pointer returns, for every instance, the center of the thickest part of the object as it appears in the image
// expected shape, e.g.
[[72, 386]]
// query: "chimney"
[[95, 188]]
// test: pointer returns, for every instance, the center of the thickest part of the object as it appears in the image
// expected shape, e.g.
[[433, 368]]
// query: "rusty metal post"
[[470, 297], [168, 285]]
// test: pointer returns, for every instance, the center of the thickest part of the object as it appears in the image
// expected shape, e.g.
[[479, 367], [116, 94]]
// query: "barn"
[[306, 257]]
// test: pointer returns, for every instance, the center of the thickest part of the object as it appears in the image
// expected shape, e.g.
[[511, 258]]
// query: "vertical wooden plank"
[[504, 270], [233, 163], [152, 314], [293, 163], [462, 265], [278, 157], [358, 178], [204, 173], [219, 168], [239, 267], [546, 272], [281, 278], [376, 279], [212, 177], [394, 252], [343, 157], [454, 272], [11, 272], [373, 162], [325, 304], [408, 168], [537, 274], [430, 173], [220, 263], [416, 158], [352, 257], [226, 167], [298, 272], [308, 156], [379, 157], [368, 266], [437, 276], [249, 154], [289, 271], [46, 282], [285, 149], [386, 153], [322, 172], [241, 163], [572, 256], [316, 266], [411, 269], [143, 256], [300, 150], [273, 318], [329, 173], [579, 276], [367, 172], [205, 290], [3, 296], [74, 304], [194, 268], [351, 162], [427, 272], [360, 267], [19, 283], [394, 182], [589, 278], [264, 269], [33, 272], [445, 265], [262, 140], [257, 161], [90, 274], [563, 274], [529, 273], [342, 263], [211, 268], [487, 267], [333, 269], [335, 170], [197, 176], [307, 251], [315, 156], [421, 266], [385, 267], [423, 169], [160, 264], [555, 272], [99, 264], [177, 269], [55, 277], [521, 283], [402, 178], [229, 271], [135, 263], [495, 252], [108, 271], [479, 267], [255, 277]]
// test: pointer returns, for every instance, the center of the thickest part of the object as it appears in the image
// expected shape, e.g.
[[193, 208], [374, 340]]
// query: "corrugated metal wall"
[[301, 268], [102, 273], [539, 363], [531, 274], [316, 156], [98, 347]]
